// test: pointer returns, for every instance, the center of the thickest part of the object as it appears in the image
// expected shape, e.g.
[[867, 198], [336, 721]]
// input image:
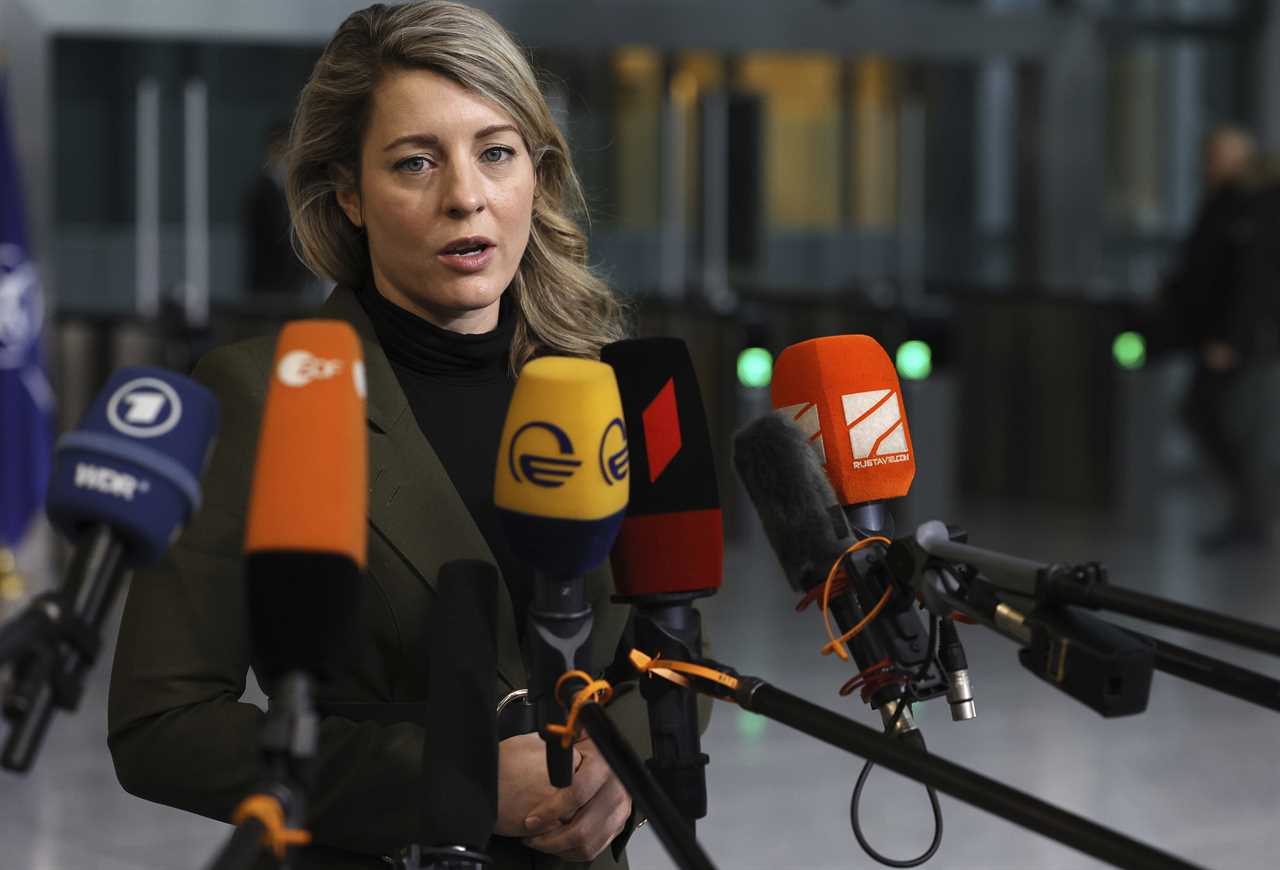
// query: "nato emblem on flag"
[[26, 399]]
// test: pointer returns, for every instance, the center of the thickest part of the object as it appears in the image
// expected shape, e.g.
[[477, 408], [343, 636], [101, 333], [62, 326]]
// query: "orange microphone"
[[306, 534], [305, 554], [843, 392]]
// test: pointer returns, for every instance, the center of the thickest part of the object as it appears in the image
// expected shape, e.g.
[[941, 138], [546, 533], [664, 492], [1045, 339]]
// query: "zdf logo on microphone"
[[144, 408], [298, 368]]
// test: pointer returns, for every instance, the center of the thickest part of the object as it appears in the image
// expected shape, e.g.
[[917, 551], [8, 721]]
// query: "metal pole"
[[147, 215], [195, 103], [672, 234], [715, 201]]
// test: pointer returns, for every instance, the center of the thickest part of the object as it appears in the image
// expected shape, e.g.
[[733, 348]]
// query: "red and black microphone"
[[670, 551]]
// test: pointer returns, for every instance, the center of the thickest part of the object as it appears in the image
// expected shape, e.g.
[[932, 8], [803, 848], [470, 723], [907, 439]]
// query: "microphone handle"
[[866, 648], [99, 567], [673, 630], [559, 636], [30, 711], [55, 675], [289, 742], [242, 849], [20, 634]]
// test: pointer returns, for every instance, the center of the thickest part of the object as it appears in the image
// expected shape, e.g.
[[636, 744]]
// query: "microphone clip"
[[897, 638]]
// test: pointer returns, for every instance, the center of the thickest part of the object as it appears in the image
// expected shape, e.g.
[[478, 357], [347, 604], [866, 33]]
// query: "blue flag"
[[26, 399]]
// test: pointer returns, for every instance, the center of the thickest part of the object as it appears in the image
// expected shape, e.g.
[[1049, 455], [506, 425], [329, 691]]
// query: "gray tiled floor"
[[1198, 774]]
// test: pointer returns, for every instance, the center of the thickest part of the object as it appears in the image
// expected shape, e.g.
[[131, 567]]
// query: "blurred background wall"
[[1003, 181]]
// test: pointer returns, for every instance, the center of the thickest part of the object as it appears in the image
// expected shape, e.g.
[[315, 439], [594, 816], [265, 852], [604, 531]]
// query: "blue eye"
[[502, 152], [416, 163]]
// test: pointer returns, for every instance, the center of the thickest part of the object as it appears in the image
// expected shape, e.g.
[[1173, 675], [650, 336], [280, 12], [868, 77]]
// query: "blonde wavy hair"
[[562, 306]]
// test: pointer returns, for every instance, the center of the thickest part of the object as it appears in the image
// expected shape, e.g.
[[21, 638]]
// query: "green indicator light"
[[915, 360], [750, 726], [1129, 350], [755, 367]]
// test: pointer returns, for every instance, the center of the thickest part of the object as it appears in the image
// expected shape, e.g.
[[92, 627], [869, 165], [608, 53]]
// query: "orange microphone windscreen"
[[843, 392], [310, 483]]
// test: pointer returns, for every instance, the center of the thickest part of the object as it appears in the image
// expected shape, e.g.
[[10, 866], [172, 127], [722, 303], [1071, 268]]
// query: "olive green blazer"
[[178, 733]]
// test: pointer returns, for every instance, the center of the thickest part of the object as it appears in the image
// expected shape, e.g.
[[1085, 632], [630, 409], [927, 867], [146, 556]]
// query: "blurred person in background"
[[427, 178], [274, 268], [1220, 305]]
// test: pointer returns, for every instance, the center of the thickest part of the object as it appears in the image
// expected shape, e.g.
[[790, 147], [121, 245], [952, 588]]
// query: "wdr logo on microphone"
[[108, 481], [144, 408], [298, 368], [876, 431]]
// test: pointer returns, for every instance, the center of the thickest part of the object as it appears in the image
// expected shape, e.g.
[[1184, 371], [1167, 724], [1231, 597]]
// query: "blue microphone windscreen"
[[134, 462], [561, 548]]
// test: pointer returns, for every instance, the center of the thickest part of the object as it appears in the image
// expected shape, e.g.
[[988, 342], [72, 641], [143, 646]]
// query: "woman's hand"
[[578, 822], [522, 782]]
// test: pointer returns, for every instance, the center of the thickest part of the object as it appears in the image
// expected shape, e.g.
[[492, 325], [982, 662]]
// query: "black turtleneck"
[[458, 387]]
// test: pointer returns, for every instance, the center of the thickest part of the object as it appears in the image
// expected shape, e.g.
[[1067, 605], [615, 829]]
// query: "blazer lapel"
[[412, 502]]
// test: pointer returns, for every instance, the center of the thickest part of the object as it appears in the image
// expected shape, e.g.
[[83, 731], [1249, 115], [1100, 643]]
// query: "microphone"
[[670, 550], [810, 534], [793, 498], [124, 484], [306, 532], [843, 392], [561, 490], [305, 553], [460, 750]]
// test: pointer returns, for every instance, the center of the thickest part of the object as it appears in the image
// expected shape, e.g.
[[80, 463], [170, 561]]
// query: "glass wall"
[[100, 142], [1165, 94], [863, 173]]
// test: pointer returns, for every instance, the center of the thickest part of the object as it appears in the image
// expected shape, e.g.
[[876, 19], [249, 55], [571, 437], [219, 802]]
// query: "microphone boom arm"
[[669, 823], [943, 593], [758, 696], [290, 740], [54, 643], [1086, 585]]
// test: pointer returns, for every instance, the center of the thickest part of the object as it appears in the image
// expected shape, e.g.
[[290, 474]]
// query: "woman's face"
[[440, 165]]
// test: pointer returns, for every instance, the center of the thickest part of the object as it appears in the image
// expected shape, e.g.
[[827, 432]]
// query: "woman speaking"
[[429, 181]]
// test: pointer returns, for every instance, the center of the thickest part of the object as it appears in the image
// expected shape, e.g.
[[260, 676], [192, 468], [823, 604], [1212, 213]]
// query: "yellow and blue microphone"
[[561, 490], [562, 479]]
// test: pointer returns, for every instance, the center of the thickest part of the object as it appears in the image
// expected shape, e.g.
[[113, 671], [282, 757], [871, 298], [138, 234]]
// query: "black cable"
[[856, 799]]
